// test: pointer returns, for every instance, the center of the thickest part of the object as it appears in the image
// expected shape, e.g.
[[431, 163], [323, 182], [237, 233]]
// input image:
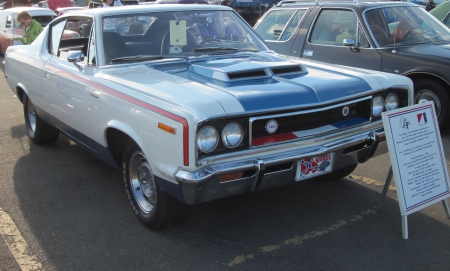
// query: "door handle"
[[46, 75]]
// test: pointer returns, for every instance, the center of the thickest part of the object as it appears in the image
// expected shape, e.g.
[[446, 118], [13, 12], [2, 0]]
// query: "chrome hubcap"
[[31, 115], [142, 182], [425, 96]]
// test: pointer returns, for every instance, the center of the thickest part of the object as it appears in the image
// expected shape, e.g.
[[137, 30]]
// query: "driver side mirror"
[[75, 57]]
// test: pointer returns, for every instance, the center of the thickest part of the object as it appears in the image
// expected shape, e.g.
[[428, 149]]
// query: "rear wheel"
[[153, 207], [428, 90], [38, 131]]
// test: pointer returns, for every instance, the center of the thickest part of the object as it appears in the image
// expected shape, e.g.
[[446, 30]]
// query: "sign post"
[[417, 159]]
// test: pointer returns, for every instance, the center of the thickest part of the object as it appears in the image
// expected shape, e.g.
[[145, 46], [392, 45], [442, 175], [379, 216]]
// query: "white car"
[[192, 106]]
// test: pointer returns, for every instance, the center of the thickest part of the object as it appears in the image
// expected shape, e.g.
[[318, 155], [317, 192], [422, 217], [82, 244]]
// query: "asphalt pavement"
[[63, 209]]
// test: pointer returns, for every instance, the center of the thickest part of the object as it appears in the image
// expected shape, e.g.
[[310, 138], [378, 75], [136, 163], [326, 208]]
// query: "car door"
[[326, 36], [66, 86]]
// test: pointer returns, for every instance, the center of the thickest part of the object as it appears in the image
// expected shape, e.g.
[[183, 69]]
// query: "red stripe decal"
[[272, 139], [130, 99]]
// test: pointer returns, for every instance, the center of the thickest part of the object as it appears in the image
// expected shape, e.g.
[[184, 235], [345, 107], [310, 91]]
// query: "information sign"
[[417, 156]]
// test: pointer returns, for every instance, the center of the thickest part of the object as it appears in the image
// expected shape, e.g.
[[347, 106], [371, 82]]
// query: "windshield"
[[401, 25], [143, 36]]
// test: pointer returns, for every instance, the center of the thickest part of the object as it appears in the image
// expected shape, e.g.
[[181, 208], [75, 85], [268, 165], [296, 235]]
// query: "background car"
[[442, 13], [367, 35], [10, 28], [61, 11]]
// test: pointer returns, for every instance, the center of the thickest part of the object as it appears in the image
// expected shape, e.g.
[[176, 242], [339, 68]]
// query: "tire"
[[340, 173], [152, 206], [429, 90], [38, 131]]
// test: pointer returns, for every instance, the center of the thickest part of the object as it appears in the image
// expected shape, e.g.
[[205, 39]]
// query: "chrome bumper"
[[274, 170]]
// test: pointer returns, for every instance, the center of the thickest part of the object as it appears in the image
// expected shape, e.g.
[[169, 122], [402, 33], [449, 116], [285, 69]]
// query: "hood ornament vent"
[[247, 75], [287, 70]]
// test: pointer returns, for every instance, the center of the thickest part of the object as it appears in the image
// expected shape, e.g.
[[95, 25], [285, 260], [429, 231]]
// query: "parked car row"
[[394, 37], [196, 107]]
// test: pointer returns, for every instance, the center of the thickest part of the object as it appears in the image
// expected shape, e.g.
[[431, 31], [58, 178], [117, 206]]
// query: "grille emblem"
[[345, 111], [271, 126]]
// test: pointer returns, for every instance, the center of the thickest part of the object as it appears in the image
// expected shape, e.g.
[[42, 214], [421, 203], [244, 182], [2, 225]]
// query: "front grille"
[[301, 121]]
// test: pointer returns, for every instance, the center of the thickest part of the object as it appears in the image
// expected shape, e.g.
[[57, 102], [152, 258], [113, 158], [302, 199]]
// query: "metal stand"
[[404, 217], [387, 183]]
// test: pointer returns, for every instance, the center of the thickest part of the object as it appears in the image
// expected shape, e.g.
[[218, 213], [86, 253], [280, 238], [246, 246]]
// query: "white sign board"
[[417, 157]]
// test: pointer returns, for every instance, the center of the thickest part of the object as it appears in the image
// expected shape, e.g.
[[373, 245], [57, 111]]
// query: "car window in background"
[[333, 26], [293, 23], [404, 25], [274, 23]]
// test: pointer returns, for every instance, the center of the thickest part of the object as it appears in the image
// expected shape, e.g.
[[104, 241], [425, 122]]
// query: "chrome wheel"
[[142, 182], [428, 95], [31, 113]]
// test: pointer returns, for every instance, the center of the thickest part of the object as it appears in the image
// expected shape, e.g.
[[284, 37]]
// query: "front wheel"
[[153, 207], [38, 131], [428, 90]]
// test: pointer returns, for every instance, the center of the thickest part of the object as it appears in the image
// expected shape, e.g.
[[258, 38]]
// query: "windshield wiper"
[[219, 50], [144, 58]]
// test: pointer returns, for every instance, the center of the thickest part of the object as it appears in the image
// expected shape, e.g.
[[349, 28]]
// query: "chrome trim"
[[204, 184], [349, 133], [251, 120]]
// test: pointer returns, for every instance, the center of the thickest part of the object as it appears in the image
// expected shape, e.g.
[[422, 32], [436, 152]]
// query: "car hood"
[[249, 83]]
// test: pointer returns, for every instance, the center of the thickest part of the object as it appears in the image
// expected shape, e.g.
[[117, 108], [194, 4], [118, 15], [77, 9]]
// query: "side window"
[[362, 38], [447, 21], [55, 36], [91, 52], [273, 24], [333, 26], [69, 35], [9, 21], [293, 23]]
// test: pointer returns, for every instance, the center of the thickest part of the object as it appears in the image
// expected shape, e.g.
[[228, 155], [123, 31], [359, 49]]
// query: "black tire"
[[430, 90], [38, 131], [339, 174], [154, 208]]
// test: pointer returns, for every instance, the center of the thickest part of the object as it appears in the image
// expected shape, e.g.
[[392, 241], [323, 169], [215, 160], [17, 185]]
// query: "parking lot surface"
[[63, 209]]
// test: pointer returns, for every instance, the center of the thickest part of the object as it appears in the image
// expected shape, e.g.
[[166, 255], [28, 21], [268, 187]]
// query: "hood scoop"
[[254, 67]]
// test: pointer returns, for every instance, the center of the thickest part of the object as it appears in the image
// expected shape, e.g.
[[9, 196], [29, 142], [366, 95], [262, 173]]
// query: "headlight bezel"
[[403, 99], [211, 129], [219, 125], [223, 138]]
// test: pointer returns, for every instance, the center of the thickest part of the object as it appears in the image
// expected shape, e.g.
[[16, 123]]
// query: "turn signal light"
[[166, 128], [231, 176]]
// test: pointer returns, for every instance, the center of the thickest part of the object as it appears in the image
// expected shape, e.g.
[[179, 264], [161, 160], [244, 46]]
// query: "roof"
[[148, 8], [340, 2]]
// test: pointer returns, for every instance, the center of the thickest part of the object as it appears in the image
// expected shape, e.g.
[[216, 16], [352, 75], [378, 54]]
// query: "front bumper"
[[275, 169]]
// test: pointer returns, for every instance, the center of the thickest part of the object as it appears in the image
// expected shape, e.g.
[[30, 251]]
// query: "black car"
[[395, 37]]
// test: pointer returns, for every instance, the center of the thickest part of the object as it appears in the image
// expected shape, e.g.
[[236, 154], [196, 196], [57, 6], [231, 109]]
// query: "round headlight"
[[232, 135], [207, 139], [377, 106], [391, 102]]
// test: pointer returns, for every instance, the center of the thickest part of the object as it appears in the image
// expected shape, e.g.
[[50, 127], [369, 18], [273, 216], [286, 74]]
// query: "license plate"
[[314, 166]]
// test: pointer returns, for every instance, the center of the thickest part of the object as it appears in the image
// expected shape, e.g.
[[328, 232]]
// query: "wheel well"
[[419, 76], [19, 92], [116, 140]]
